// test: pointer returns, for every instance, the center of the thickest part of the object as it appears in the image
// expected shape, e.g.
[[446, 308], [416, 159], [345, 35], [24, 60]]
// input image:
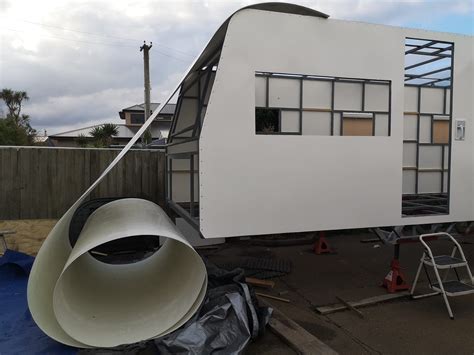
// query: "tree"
[[103, 135], [82, 140], [15, 126]]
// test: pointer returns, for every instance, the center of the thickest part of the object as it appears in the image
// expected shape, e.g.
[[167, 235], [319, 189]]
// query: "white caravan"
[[290, 121]]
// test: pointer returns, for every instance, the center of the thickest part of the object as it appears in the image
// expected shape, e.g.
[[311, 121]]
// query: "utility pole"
[[146, 67]]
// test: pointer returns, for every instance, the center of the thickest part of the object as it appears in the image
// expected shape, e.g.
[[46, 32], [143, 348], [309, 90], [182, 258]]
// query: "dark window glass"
[[137, 118], [267, 120]]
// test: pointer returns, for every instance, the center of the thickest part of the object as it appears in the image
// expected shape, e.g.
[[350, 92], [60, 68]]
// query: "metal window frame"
[[189, 211], [333, 80], [408, 205]]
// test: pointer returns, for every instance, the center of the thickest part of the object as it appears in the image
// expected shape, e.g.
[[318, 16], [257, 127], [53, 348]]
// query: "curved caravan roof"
[[218, 39]]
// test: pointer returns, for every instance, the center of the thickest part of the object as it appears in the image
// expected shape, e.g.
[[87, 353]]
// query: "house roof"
[[124, 131], [167, 110]]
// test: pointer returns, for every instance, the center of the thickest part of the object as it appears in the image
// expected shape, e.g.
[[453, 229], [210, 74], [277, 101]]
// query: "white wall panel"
[[410, 99], [317, 94], [409, 181], [425, 129], [409, 154], [348, 96], [290, 121], [432, 100], [260, 91], [381, 125], [316, 123], [429, 182], [410, 127], [430, 157], [284, 93], [376, 97]]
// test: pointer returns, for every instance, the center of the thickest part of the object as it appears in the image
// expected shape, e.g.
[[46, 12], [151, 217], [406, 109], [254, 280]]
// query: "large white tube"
[[81, 301]]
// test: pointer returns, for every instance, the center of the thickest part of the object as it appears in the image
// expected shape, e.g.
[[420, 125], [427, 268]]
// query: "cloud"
[[80, 61]]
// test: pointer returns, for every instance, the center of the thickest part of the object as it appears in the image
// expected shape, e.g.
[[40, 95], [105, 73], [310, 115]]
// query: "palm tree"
[[103, 134]]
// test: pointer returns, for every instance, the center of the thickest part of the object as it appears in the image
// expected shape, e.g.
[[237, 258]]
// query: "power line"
[[100, 43], [103, 35]]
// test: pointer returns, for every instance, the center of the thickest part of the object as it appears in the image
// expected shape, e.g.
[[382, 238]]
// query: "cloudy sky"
[[80, 63]]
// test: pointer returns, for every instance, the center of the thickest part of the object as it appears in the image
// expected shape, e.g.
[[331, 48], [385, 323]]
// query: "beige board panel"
[[410, 127], [432, 100], [316, 123], [381, 125], [409, 181], [317, 94], [429, 182], [290, 121], [441, 131], [260, 91], [430, 157], [284, 92], [445, 181], [348, 96], [29, 234], [410, 99], [376, 97], [357, 126], [409, 154]]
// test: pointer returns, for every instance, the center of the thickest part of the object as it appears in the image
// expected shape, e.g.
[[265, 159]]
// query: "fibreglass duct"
[[82, 302]]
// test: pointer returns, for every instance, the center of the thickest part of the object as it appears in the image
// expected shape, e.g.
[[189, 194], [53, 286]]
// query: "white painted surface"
[[316, 94], [274, 184], [316, 123], [94, 304], [290, 121]]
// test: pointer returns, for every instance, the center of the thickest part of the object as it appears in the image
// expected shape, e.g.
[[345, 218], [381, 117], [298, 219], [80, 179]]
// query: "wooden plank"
[[298, 338], [362, 303], [52, 185], [41, 205], [24, 161], [159, 172], [348, 305], [146, 174], [259, 283], [286, 300], [317, 109]]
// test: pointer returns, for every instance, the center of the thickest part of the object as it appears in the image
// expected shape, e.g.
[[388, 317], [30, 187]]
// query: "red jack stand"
[[321, 246], [395, 279]]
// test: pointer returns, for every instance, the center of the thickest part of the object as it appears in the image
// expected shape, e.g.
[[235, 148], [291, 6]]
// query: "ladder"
[[447, 288]]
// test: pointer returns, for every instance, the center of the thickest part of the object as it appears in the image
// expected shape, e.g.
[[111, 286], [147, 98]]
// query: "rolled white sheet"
[[81, 301]]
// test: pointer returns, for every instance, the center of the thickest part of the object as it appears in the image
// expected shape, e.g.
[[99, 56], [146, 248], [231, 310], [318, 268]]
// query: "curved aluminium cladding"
[[217, 40], [183, 189]]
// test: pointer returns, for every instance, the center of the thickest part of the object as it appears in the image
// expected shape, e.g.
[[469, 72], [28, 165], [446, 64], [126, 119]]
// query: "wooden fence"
[[43, 182]]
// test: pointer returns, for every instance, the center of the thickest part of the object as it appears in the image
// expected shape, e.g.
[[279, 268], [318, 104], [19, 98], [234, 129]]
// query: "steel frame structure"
[[428, 204], [189, 211], [332, 110]]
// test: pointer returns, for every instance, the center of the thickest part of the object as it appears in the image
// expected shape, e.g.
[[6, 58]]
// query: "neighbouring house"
[[134, 117]]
